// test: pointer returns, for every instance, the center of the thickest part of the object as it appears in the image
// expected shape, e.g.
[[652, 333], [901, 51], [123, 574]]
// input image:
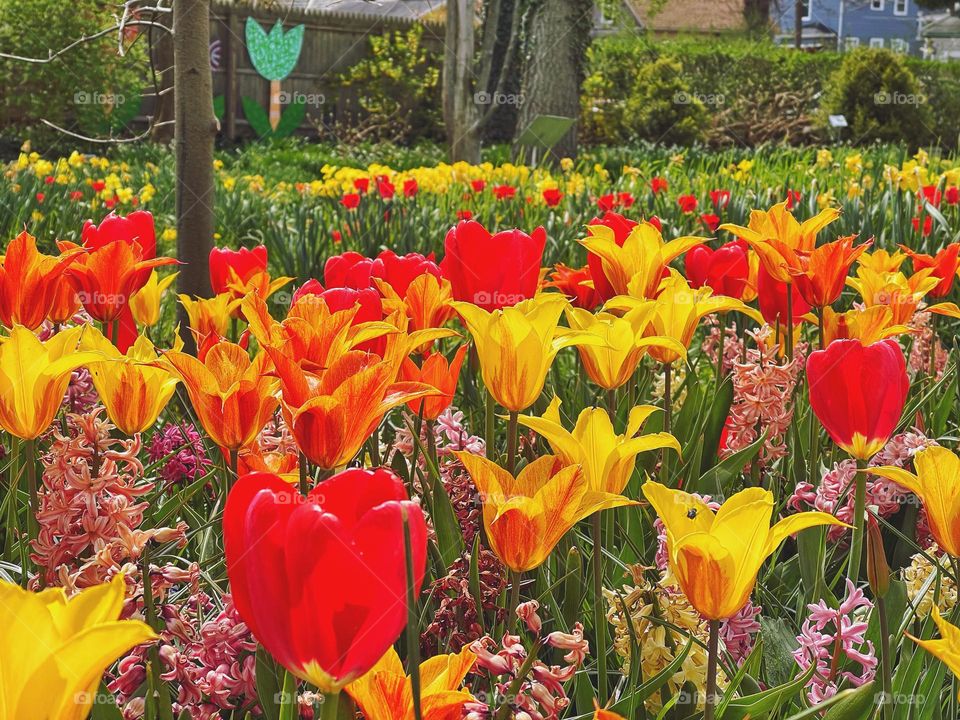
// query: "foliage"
[[659, 105], [880, 97], [89, 89], [396, 89]]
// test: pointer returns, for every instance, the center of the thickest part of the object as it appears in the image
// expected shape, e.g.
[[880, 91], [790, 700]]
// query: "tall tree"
[[553, 64], [194, 135], [757, 16]]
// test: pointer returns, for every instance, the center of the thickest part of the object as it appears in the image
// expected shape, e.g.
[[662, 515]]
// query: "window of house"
[[876, 5], [805, 4], [851, 43], [876, 42], [899, 45], [900, 7]]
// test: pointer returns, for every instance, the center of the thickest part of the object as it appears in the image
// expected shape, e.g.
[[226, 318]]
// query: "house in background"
[[847, 24], [682, 17], [940, 35]]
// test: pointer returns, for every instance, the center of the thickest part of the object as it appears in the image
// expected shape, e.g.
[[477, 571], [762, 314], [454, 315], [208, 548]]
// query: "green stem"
[[886, 702], [859, 509], [331, 706], [234, 468], [512, 440], [789, 328], [488, 427], [512, 619], [30, 465], [599, 618], [503, 713], [667, 420], [713, 656], [720, 345], [302, 467], [413, 634]]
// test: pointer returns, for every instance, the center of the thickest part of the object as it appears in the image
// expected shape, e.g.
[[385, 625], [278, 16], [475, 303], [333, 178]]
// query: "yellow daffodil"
[[517, 345], [937, 484], [35, 376], [678, 310], [947, 648], [612, 364], [385, 692], [778, 237], [607, 458], [145, 303], [133, 390], [55, 649], [635, 268], [894, 290], [716, 556], [525, 516]]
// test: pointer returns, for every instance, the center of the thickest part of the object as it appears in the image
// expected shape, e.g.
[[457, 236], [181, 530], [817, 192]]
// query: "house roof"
[[689, 16], [945, 27], [406, 9]]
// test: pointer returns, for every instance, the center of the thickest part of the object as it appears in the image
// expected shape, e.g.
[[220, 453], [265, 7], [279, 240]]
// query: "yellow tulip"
[[635, 268], [385, 692], [778, 237], [882, 261], [35, 376], [210, 315], [947, 648], [132, 390], [607, 458], [868, 325], [678, 310], [613, 364], [716, 556], [145, 303], [55, 649], [527, 515], [894, 290], [517, 345], [937, 484]]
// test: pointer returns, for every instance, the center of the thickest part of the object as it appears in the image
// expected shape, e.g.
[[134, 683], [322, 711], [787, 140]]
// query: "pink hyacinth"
[[179, 450], [739, 632], [831, 639]]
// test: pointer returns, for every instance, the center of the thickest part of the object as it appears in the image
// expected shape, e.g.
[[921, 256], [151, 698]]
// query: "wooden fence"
[[332, 43]]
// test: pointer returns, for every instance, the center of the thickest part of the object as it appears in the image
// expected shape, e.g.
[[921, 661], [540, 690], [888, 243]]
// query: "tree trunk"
[[757, 15], [162, 50], [195, 131], [559, 35], [460, 113], [798, 24]]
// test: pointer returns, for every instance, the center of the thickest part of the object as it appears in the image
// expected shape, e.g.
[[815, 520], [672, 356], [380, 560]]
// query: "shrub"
[[90, 88], [653, 103], [880, 97]]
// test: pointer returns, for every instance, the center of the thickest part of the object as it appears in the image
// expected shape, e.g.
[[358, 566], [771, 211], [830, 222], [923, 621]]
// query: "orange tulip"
[[66, 303], [437, 372], [29, 282], [233, 396], [821, 273], [428, 301], [527, 515], [894, 290], [867, 325], [943, 266], [777, 237], [209, 317], [332, 412], [107, 277]]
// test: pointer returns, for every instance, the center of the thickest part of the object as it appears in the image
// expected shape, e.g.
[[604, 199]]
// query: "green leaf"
[[779, 642], [257, 117], [720, 477], [288, 700], [761, 704], [219, 106], [857, 705], [105, 710], [713, 428], [268, 684], [291, 118]]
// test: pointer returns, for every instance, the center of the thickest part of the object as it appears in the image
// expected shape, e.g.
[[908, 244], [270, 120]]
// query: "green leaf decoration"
[[275, 55], [219, 106], [291, 118], [257, 117]]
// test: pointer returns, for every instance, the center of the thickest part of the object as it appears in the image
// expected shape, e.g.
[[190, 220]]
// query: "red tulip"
[[321, 580], [361, 185], [711, 220], [245, 262], [137, 227], [772, 296], [492, 271], [504, 192], [953, 195], [687, 203], [410, 188], [350, 269], [400, 270], [720, 198], [350, 201], [932, 194], [927, 225], [858, 393], [386, 188], [552, 197], [944, 266], [793, 198], [621, 227], [725, 270], [658, 184], [478, 185], [571, 282]]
